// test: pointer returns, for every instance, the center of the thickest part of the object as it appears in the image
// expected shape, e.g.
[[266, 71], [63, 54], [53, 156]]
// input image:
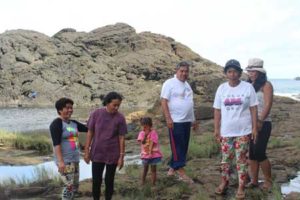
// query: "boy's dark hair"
[[61, 103], [146, 121], [111, 96]]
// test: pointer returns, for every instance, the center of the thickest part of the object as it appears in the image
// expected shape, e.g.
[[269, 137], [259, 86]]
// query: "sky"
[[215, 29]]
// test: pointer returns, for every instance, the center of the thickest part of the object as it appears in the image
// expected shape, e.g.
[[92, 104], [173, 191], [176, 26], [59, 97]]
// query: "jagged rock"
[[84, 66]]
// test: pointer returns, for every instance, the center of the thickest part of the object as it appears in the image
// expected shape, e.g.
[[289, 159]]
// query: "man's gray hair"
[[183, 64]]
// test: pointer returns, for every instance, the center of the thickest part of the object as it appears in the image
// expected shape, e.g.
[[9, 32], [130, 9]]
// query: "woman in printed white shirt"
[[235, 116]]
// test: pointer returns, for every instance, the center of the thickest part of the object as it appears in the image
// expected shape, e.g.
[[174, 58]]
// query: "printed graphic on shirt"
[[233, 102], [72, 136]]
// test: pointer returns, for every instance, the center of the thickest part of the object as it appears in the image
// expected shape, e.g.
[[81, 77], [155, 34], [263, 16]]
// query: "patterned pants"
[[70, 179], [235, 147]]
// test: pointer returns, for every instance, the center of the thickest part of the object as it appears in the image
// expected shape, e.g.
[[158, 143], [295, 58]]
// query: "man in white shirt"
[[178, 107]]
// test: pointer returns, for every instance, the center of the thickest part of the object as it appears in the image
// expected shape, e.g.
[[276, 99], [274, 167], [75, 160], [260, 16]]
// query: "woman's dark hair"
[[111, 96], [146, 121], [260, 81], [61, 103]]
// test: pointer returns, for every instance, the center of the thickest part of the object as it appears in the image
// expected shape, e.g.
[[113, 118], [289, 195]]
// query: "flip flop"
[[171, 172]]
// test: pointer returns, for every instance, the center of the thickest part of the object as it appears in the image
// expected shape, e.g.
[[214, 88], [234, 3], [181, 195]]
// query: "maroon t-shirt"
[[107, 127]]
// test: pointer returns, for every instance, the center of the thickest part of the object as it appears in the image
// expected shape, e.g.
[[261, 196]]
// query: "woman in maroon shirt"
[[105, 143]]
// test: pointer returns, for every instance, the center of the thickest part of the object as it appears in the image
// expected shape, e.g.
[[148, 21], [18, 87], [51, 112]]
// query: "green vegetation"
[[131, 135], [203, 146], [276, 143], [297, 142], [276, 191], [27, 141], [128, 185], [41, 176]]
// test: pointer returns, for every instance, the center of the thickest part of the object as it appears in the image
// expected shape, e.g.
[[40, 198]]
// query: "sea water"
[[286, 87]]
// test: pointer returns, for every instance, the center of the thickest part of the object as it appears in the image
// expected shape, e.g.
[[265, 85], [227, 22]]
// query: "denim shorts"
[[151, 161]]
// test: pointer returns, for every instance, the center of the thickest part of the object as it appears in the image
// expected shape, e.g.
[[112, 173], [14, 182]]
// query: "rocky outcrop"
[[36, 69]]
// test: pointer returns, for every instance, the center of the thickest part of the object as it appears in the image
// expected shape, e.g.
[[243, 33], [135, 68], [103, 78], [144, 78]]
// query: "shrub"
[[27, 141], [203, 146]]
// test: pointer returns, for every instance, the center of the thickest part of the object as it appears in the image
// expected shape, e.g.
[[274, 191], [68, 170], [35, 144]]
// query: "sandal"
[[221, 191], [171, 172]]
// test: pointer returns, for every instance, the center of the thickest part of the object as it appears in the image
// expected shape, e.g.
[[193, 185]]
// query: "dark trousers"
[[179, 141], [257, 150], [97, 174]]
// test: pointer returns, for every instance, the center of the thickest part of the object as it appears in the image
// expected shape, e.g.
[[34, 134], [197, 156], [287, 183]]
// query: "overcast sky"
[[215, 29]]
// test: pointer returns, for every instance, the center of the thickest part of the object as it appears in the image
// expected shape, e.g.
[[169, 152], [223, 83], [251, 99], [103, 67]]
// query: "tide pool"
[[31, 172]]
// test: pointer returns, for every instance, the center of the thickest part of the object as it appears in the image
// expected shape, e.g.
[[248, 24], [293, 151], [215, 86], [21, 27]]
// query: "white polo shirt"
[[180, 100]]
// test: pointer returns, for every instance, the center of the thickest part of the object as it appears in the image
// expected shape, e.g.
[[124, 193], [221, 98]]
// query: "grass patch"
[[27, 141], [41, 176], [166, 151], [203, 146], [43, 181], [276, 143], [276, 191], [296, 142]]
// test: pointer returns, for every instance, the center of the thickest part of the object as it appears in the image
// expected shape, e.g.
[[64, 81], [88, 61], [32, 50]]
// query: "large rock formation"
[[36, 70]]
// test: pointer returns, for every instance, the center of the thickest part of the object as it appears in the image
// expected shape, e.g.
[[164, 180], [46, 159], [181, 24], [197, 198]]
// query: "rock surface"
[[36, 69]]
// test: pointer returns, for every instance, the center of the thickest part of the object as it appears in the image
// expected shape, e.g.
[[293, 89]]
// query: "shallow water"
[[292, 186], [31, 172], [39, 119], [26, 119]]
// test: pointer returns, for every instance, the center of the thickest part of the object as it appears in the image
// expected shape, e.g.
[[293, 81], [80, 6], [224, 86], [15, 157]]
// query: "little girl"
[[150, 152]]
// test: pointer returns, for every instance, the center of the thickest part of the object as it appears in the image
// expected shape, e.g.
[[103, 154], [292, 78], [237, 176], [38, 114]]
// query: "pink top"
[[152, 136]]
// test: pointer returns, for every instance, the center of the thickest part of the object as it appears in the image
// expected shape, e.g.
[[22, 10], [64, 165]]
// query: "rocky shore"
[[283, 151]]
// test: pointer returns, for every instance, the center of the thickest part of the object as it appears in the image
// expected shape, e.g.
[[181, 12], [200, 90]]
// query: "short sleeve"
[[253, 97], [92, 120], [165, 91], [81, 127], [217, 101], [154, 136], [56, 131], [141, 136], [122, 126]]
